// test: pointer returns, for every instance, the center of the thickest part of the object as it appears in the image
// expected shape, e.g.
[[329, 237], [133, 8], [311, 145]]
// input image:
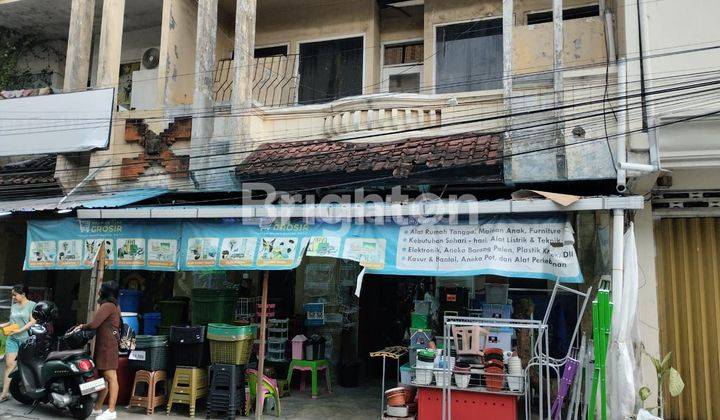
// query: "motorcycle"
[[61, 378]]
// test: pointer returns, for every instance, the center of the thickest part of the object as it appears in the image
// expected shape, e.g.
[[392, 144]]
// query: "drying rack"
[[394, 352]]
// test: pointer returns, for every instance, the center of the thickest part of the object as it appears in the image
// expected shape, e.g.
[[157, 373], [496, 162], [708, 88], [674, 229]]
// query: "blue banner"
[[511, 246]]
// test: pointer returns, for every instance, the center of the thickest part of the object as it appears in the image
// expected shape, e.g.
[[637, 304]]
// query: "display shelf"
[[510, 385]]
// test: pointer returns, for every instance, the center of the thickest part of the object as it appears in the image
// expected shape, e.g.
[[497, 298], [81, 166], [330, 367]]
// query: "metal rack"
[[538, 334]]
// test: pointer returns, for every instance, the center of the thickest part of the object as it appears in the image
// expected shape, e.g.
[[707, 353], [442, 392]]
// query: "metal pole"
[[382, 390], [261, 352], [96, 280]]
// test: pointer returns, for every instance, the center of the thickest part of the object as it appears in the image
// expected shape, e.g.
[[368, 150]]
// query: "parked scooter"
[[59, 378]]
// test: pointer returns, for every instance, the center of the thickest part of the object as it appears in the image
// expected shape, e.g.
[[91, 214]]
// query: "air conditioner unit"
[[150, 58]]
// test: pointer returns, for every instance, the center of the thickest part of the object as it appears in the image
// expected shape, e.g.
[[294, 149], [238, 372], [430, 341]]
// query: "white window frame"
[[434, 44], [387, 70], [331, 38]]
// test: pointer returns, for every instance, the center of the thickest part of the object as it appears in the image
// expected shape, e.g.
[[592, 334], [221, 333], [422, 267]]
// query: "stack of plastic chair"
[[227, 390], [151, 391], [270, 390], [189, 385]]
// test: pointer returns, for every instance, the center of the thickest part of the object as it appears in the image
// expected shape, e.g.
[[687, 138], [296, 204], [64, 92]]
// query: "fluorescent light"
[[64, 211], [5, 213]]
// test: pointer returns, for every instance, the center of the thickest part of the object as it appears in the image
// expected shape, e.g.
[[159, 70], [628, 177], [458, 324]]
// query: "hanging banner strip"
[[511, 246]]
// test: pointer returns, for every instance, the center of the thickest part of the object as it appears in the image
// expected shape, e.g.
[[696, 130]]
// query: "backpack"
[[126, 338]]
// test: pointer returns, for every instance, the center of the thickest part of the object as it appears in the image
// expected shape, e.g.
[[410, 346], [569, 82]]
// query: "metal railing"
[[274, 80]]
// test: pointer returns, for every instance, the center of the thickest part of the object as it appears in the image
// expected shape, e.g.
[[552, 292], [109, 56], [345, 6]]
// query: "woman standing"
[[20, 315], [106, 324]]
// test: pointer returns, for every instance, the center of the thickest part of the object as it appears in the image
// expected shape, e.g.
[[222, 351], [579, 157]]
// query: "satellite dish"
[[151, 58]]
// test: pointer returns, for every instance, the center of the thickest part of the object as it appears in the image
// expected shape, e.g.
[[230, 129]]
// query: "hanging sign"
[[511, 246]]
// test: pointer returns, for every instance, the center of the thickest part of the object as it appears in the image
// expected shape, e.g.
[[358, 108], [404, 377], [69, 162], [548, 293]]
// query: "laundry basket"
[[230, 344]]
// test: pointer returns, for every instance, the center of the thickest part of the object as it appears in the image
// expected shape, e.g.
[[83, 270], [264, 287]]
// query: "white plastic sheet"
[[621, 363]]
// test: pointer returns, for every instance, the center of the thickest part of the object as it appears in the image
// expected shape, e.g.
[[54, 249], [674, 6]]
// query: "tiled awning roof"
[[34, 171], [475, 154]]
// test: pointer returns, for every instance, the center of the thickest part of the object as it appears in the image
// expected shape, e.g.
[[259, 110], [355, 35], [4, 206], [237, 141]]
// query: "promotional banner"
[[511, 246]]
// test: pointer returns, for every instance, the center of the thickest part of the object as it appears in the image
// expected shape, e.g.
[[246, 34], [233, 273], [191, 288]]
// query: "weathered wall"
[[396, 26], [134, 43], [177, 52]]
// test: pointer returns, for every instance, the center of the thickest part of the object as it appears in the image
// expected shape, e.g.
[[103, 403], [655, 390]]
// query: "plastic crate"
[[188, 346], [150, 353], [231, 352]]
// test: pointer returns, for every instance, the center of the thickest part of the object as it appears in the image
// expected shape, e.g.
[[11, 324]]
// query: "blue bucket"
[[151, 320], [131, 318], [130, 300]]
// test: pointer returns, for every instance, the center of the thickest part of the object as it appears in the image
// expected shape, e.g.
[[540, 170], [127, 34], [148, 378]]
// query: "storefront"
[[363, 278]]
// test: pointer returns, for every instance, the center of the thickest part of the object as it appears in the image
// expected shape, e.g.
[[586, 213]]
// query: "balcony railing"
[[274, 80]]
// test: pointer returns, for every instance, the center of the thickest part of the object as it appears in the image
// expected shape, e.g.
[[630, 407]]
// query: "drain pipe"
[[617, 250], [621, 145]]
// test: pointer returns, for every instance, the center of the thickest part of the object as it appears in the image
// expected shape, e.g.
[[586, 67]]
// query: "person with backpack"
[[107, 324]]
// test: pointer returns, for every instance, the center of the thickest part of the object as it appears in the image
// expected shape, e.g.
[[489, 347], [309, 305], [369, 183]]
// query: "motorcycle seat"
[[62, 355]]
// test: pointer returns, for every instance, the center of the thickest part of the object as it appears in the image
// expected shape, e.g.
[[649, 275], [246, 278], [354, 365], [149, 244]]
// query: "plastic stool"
[[313, 366], [189, 385], [227, 389], [152, 398]]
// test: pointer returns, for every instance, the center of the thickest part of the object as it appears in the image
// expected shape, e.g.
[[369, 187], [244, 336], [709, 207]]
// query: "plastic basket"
[[419, 321], [231, 352], [154, 350], [226, 332]]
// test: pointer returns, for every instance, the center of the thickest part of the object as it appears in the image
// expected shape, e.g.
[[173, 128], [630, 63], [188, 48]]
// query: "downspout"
[[620, 147], [617, 250], [642, 71]]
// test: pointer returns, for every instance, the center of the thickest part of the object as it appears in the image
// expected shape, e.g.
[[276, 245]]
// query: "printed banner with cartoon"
[[512, 246]]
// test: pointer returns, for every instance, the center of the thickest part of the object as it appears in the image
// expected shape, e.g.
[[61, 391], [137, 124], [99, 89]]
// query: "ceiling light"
[[64, 211], [5, 213]]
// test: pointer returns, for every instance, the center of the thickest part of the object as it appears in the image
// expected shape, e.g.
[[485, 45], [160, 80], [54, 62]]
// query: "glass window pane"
[[330, 70]]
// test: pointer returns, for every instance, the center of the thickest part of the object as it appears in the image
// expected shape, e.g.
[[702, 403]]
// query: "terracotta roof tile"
[[327, 156]]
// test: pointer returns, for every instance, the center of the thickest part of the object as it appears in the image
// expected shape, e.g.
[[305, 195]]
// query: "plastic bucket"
[[131, 318], [130, 300], [151, 320]]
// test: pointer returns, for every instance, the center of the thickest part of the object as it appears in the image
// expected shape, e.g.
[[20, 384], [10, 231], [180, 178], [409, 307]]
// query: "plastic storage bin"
[[419, 321], [131, 318], [315, 348], [211, 305], [188, 346], [150, 353], [151, 320], [230, 344], [173, 312], [130, 300], [298, 347], [496, 311]]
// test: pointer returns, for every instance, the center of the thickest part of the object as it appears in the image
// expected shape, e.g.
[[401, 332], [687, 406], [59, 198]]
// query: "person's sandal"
[[4, 399]]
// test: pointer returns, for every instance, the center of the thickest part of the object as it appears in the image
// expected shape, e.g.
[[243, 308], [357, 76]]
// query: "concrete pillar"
[[241, 100], [508, 23], [70, 169], [111, 34], [77, 60], [202, 128]]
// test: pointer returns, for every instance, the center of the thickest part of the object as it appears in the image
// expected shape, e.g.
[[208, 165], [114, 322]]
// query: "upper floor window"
[[402, 67], [330, 70], [469, 56], [568, 14]]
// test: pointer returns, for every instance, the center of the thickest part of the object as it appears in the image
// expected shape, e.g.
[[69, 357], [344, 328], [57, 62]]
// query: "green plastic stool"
[[313, 366]]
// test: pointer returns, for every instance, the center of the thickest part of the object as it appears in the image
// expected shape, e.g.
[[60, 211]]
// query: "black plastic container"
[[188, 346], [315, 348]]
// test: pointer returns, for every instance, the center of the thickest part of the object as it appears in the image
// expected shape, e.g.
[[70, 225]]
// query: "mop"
[[601, 316]]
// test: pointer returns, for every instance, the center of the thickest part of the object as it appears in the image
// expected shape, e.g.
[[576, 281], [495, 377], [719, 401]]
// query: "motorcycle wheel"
[[17, 390], [83, 409]]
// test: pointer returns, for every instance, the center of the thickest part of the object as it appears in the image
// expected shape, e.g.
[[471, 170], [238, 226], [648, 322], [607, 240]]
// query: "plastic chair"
[[467, 340], [270, 389]]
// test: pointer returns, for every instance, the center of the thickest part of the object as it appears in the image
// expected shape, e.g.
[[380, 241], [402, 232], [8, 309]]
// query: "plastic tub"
[[130, 300], [131, 318], [151, 320]]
